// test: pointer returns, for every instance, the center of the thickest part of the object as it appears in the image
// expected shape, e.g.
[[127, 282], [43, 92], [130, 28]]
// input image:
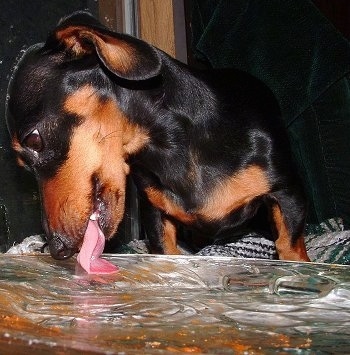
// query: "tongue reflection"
[[93, 245]]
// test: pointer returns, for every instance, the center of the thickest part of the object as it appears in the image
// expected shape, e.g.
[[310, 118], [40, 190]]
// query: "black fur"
[[218, 123]]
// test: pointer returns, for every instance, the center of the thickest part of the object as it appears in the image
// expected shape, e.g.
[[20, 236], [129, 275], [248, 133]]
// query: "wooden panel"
[[111, 14], [157, 24]]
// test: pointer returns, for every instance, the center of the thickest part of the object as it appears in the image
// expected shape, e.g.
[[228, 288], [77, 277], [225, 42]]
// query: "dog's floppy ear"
[[125, 56]]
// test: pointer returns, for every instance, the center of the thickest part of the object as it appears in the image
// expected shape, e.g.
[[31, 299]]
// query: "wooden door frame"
[[159, 22]]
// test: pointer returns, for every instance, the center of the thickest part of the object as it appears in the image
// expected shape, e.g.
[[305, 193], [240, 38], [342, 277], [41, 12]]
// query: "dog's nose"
[[59, 249]]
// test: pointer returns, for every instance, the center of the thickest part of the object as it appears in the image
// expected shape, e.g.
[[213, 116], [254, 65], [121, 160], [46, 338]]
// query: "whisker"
[[109, 135]]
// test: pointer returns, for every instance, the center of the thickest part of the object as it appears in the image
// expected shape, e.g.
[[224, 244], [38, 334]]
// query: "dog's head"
[[68, 126]]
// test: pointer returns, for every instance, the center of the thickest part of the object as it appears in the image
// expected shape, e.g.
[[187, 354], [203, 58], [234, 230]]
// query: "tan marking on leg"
[[169, 238], [300, 247], [169, 207], [285, 248]]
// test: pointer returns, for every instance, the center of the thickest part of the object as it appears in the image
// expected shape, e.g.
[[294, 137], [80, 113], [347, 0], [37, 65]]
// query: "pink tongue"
[[92, 248]]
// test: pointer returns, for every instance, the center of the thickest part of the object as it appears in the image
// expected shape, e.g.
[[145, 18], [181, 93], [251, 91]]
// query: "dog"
[[206, 149]]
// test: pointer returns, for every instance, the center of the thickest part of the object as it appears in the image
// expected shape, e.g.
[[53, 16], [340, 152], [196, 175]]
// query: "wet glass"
[[162, 304]]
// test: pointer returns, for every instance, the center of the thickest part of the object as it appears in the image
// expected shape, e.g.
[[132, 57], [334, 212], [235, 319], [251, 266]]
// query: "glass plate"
[[174, 304]]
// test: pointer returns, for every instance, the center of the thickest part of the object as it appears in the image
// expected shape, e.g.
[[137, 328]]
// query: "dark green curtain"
[[305, 61]]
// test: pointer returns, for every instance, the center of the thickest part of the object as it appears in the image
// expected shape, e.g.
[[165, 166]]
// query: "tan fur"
[[169, 238], [285, 248], [98, 147], [234, 192], [119, 55], [162, 202], [228, 196]]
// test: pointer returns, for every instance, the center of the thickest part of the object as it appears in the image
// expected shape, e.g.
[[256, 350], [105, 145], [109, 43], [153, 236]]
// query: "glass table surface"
[[173, 304]]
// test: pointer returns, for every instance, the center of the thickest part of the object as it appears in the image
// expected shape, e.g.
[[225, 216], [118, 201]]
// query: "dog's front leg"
[[160, 231], [288, 217]]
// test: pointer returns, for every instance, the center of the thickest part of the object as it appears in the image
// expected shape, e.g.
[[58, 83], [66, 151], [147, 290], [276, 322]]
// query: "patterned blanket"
[[325, 243]]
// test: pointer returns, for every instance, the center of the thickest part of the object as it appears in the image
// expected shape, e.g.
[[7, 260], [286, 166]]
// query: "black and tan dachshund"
[[206, 149]]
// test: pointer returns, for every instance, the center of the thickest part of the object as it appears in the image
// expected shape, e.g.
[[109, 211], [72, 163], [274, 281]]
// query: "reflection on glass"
[[159, 304]]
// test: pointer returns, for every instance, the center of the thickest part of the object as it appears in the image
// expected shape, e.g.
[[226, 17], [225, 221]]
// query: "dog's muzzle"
[[59, 249]]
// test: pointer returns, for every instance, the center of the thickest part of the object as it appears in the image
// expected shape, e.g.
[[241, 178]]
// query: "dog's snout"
[[59, 249]]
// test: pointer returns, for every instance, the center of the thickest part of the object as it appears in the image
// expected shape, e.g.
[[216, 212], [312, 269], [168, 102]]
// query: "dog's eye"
[[33, 141]]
